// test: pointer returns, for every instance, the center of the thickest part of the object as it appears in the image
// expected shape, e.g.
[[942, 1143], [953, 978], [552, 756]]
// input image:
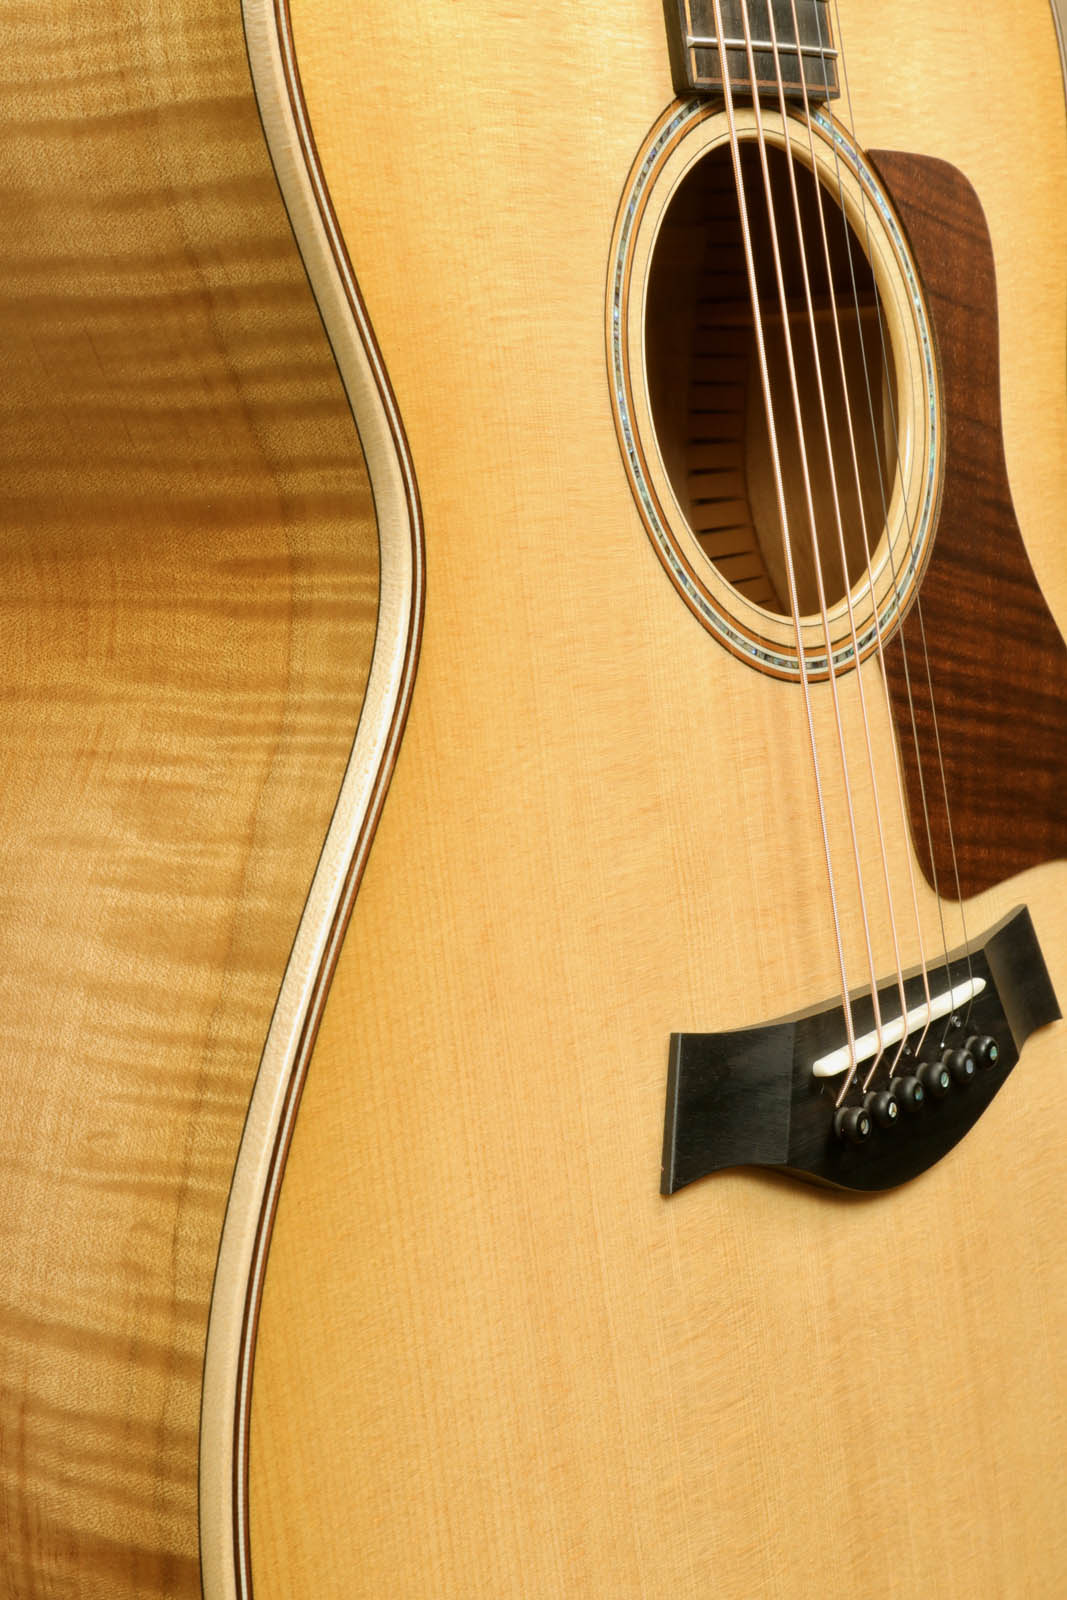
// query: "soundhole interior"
[[706, 397]]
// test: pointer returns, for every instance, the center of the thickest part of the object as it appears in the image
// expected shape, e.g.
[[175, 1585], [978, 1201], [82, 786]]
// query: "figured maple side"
[[492, 1360], [188, 587]]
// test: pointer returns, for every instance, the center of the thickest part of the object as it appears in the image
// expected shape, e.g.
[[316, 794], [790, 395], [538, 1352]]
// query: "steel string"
[[879, 638], [850, 124], [761, 352], [761, 143]]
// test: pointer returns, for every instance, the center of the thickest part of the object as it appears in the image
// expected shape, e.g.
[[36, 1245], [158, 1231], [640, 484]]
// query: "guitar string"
[[850, 125], [802, 665], [898, 770], [761, 145], [887, 877], [862, 343], [884, 495]]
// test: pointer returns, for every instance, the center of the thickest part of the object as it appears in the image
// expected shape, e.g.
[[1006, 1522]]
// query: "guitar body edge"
[[276, 1097], [188, 608]]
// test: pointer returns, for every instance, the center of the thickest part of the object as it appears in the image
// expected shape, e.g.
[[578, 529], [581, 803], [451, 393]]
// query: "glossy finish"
[[188, 594], [997, 657], [749, 1097], [492, 1360], [272, 1111]]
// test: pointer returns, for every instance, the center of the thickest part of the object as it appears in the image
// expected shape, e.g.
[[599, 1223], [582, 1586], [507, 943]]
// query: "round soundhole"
[[822, 480], [834, 432]]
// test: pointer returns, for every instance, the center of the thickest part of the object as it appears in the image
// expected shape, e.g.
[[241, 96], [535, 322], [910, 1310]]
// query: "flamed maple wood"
[[491, 1359], [998, 660], [188, 590]]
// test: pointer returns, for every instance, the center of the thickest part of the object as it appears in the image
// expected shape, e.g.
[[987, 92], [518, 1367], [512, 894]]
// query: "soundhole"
[[706, 396]]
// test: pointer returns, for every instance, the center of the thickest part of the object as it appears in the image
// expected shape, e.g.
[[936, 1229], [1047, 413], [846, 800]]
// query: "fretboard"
[[806, 65]]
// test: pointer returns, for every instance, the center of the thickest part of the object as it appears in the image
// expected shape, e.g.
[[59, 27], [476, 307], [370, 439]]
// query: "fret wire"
[[710, 42]]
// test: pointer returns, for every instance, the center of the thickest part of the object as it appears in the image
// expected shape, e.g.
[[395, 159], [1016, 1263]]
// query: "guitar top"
[[492, 1358]]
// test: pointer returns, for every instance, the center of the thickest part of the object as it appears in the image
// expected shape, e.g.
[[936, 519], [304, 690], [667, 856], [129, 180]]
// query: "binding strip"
[[226, 1572]]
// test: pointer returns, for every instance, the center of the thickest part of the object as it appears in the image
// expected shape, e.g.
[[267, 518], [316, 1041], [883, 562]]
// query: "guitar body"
[[489, 1357], [492, 1359]]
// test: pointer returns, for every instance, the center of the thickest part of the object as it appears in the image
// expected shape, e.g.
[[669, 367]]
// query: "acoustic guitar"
[[537, 920]]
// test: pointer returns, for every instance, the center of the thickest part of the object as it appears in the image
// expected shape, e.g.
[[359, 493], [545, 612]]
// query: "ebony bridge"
[[765, 1096]]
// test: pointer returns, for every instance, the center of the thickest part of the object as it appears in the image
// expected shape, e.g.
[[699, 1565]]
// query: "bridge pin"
[[984, 1049], [935, 1078], [883, 1107], [908, 1093], [853, 1124], [961, 1065]]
